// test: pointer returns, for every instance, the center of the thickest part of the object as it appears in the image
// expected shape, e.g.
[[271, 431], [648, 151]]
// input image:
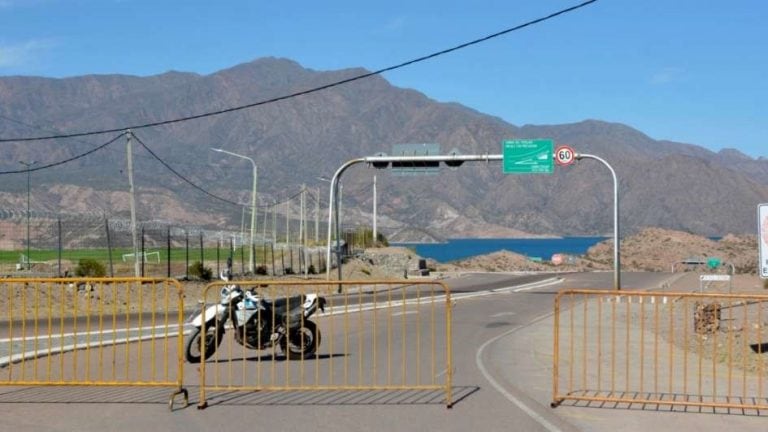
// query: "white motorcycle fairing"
[[210, 313]]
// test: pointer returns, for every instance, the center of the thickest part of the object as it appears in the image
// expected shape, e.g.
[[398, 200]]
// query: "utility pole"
[[375, 232], [132, 200], [29, 183], [264, 229], [288, 221], [301, 216], [317, 216], [242, 227], [274, 223]]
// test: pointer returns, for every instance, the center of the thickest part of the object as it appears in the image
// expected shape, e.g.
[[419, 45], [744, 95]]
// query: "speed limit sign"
[[564, 155]]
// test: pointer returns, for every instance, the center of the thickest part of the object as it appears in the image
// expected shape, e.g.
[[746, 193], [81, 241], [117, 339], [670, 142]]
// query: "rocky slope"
[[664, 184]]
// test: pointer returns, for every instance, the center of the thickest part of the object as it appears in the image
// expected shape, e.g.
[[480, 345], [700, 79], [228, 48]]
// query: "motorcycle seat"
[[283, 304]]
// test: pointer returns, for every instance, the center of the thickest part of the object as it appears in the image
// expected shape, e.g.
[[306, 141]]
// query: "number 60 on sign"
[[564, 155]]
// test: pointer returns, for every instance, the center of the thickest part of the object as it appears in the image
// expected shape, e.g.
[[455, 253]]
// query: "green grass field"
[[103, 254], [156, 258]]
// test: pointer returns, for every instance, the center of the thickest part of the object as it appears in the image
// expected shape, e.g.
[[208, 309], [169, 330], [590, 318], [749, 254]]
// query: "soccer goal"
[[147, 257]]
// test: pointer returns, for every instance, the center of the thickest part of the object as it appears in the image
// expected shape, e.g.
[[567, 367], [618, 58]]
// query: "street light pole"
[[251, 259], [375, 231], [616, 240], [28, 164]]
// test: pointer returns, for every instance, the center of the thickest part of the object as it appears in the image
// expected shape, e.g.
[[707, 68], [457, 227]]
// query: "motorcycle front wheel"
[[302, 342], [193, 346]]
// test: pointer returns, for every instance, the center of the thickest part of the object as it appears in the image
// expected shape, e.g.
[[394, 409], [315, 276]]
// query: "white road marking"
[[404, 313], [525, 408]]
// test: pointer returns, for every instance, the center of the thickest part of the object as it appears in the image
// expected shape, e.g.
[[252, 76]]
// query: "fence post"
[[272, 247], [242, 258], [302, 264], [143, 252], [58, 272], [290, 251], [186, 254], [282, 259], [202, 259], [109, 248], [231, 247], [265, 258], [253, 255], [168, 250], [218, 257]]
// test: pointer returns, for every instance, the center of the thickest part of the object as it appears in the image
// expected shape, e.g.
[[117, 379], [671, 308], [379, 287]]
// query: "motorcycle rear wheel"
[[193, 346], [302, 342]]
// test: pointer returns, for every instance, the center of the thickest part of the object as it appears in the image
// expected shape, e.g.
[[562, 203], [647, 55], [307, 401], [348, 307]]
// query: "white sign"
[[762, 239], [564, 155], [715, 278]]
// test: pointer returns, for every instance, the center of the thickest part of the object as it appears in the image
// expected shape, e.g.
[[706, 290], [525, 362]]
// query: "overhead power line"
[[196, 186], [56, 131], [179, 175], [312, 90], [62, 162]]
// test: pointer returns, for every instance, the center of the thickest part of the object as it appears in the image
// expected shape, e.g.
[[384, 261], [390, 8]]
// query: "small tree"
[[197, 269], [87, 267]]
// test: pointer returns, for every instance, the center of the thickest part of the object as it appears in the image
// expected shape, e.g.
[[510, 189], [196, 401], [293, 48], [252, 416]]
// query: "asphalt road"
[[486, 396]]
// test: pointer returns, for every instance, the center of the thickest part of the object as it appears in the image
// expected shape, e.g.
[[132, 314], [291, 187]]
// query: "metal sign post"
[[616, 257], [540, 163], [762, 239]]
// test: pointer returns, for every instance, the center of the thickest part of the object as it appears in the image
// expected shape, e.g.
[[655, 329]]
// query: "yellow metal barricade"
[[371, 336], [91, 332], [648, 350]]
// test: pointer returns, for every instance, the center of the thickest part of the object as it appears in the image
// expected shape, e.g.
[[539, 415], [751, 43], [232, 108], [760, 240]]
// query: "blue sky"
[[686, 70]]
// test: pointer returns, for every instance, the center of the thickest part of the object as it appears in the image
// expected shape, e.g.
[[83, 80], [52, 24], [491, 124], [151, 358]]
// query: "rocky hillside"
[[651, 249], [655, 249], [294, 141]]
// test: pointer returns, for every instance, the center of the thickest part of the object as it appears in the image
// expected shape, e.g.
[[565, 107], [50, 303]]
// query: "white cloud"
[[668, 75], [21, 54]]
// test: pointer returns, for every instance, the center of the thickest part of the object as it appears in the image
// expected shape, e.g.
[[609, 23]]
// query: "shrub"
[[261, 270], [288, 270], [765, 283], [311, 269], [198, 270], [88, 267]]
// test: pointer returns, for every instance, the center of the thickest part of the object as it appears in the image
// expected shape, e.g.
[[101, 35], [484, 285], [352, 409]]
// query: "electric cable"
[[179, 175], [311, 90], [199, 188], [62, 162], [52, 130]]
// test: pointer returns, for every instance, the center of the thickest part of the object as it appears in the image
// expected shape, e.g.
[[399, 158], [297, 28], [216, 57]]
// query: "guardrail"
[[373, 335], [677, 350], [91, 332]]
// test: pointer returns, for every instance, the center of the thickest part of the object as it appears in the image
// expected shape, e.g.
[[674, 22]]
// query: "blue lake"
[[457, 249]]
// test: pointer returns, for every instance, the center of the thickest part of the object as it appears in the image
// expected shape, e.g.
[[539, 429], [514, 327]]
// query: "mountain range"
[[294, 141]]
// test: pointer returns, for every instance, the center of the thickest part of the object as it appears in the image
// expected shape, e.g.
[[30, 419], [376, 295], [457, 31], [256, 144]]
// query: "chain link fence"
[[81, 245]]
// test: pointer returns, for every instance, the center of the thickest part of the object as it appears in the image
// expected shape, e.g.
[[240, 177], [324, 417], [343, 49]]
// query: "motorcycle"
[[257, 323]]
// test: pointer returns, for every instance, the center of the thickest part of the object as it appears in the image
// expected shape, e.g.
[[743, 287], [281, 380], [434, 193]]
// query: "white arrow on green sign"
[[532, 156]]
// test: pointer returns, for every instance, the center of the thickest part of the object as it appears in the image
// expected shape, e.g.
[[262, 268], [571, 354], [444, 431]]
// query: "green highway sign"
[[533, 156], [713, 262]]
